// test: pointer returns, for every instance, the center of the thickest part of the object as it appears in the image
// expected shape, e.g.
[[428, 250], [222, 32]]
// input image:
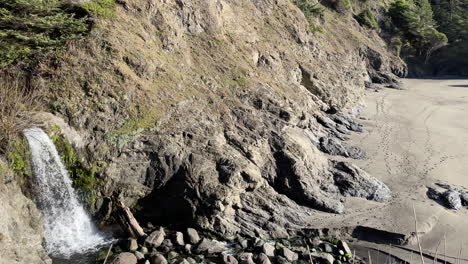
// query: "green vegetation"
[[345, 3], [367, 18], [31, 27], [28, 27], [311, 12], [85, 179], [452, 18], [100, 8], [18, 158], [412, 21]]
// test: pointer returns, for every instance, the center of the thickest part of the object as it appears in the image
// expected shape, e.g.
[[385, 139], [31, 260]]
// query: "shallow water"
[[86, 258]]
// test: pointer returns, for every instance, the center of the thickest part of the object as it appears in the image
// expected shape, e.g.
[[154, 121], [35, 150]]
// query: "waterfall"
[[68, 228]]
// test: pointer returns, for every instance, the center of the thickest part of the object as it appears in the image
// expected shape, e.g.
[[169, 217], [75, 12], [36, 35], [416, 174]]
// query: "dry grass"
[[17, 100]]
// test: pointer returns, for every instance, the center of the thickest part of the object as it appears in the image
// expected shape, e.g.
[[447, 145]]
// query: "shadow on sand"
[[459, 85]]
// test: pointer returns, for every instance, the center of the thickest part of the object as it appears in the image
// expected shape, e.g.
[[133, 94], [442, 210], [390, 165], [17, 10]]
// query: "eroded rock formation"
[[211, 113]]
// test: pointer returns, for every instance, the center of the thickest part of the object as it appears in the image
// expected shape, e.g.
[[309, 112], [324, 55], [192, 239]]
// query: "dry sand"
[[415, 138]]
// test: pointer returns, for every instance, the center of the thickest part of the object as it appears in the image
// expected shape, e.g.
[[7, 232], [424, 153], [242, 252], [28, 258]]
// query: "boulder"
[[179, 239], [172, 255], [258, 243], [344, 246], [184, 261], [155, 239], [210, 246], [263, 259], [328, 248], [268, 249], [244, 243], [193, 236], [246, 258], [464, 198], [229, 259], [288, 254], [191, 260], [188, 248], [158, 259], [139, 255], [167, 243], [144, 250], [282, 260], [323, 258], [452, 199], [124, 258], [353, 181], [132, 245]]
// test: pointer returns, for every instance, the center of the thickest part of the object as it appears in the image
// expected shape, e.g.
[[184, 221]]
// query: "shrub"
[[16, 100], [311, 12], [100, 8], [367, 18], [342, 6], [31, 26]]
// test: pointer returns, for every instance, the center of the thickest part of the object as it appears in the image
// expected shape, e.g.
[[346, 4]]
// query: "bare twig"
[[16, 100], [436, 251], [308, 250], [417, 235], [108, 252], [445, 248], [460, 253]]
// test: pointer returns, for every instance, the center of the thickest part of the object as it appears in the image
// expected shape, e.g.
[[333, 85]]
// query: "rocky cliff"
[[219, 114], [20, 224]]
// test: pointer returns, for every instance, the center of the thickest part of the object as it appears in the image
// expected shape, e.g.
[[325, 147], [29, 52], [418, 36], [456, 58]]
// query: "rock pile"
[[170, 247], [450, 196]]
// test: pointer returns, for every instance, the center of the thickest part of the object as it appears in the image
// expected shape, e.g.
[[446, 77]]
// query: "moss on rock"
[[18, 158], [85, 179]]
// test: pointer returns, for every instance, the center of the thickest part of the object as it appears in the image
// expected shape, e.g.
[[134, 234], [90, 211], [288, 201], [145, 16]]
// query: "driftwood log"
[[128, 221]]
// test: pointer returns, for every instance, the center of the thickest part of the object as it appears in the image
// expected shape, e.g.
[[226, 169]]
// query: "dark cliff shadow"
[[459, 85]]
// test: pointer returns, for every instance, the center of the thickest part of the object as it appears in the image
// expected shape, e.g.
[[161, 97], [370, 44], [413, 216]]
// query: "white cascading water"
[[68, 229]]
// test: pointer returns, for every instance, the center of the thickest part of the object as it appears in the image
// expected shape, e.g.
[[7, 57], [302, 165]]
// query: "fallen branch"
[[128, 220]]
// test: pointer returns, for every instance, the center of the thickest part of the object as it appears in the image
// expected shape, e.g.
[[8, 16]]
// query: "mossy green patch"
[[85, 179], [18, 158]]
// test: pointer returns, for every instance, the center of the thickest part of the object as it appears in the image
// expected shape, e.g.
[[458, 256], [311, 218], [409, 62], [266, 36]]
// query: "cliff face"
[[20, 224], [212, 113]]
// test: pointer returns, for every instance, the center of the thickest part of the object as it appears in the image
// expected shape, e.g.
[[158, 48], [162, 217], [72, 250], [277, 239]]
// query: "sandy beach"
[[414, 139]]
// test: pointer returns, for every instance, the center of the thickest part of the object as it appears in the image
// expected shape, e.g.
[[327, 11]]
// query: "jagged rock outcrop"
[[210, 113], [20, 224], [452, 197]]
